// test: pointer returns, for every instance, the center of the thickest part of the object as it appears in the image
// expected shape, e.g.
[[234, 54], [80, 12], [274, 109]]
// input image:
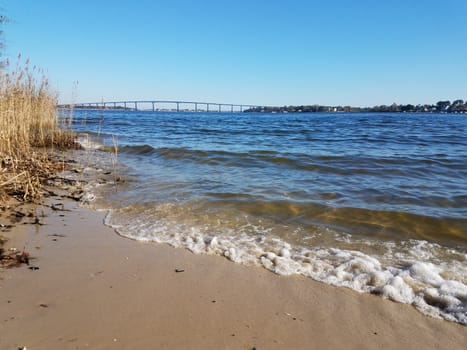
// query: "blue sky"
[[270, 52]]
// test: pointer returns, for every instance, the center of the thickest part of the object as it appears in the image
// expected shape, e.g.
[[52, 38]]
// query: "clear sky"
[[270, 52]]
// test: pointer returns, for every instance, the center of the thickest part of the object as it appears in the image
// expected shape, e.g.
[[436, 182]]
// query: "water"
[[373, 202]]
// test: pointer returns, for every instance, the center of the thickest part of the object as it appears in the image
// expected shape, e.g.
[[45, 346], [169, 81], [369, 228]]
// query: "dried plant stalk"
[[29, 130]]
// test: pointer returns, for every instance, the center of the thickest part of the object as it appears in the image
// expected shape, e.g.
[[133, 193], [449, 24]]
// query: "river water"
[[373, 202]]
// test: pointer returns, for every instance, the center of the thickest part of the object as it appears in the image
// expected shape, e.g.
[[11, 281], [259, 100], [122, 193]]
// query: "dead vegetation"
[[32, 140], [31, 134]]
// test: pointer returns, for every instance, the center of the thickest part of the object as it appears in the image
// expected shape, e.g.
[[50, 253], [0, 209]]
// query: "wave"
[[137, 150], [325, 163], [360, 222], [409, 271], [405, 190]]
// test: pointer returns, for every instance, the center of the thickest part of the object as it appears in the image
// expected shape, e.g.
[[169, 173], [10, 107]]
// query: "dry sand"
[[96, 290]]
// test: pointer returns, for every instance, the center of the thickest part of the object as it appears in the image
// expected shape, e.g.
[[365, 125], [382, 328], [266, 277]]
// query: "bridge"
[[161, 105]]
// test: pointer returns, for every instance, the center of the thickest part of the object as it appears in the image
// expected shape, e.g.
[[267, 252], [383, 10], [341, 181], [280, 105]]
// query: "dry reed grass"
[[30, 132]]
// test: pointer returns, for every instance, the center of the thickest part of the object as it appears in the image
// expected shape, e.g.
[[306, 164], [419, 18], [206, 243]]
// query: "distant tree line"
[[457, 106]]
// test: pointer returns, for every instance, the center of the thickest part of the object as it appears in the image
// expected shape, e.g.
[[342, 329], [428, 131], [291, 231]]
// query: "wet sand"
[[96, 290]]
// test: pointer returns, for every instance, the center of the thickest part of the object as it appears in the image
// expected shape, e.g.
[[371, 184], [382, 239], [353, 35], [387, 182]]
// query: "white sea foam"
[[412, 272], [415, 282], [88, 143]]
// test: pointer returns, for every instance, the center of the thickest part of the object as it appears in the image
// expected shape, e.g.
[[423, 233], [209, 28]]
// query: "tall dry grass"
[[30, 131]]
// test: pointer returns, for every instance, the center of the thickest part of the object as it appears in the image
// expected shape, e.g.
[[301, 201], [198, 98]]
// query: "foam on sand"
[[426, 275], [435, 289]]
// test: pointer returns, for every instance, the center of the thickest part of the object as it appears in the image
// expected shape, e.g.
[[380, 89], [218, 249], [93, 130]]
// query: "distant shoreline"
[[447, 107], [457, 106]]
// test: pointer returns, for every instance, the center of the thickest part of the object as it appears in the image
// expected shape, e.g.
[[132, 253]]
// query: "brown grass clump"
[[30, 132]]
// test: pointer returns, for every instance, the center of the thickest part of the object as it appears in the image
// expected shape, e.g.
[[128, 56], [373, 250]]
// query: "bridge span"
[[164, 105]]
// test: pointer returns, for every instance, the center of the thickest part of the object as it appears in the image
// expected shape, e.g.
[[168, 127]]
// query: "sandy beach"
[[96, 290], [233, 175]]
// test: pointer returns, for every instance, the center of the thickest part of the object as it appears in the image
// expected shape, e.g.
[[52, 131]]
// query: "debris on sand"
[[13, 258]]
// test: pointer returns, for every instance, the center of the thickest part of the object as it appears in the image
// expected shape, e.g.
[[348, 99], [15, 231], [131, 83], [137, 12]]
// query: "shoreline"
[[95, 289]]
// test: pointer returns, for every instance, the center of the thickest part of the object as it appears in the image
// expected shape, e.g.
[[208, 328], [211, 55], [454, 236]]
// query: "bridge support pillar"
[[136, 106], [196, 107], [153, 106], [178, 106]]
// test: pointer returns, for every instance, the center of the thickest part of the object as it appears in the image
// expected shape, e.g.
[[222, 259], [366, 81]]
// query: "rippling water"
[[374, 202]]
